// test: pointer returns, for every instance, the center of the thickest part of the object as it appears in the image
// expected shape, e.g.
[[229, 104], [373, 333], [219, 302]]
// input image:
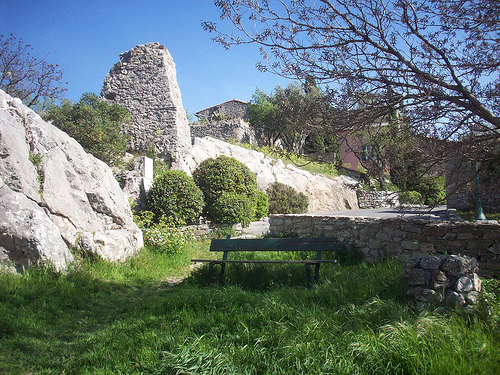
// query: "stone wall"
[[144, 81], [232, 109], [401, 238], [460, 187], [448, 279], [377, 199], [225, 130]]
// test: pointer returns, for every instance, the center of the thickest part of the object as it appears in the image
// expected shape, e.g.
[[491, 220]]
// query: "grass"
[[469, 215], [299, 161], [103, 318]]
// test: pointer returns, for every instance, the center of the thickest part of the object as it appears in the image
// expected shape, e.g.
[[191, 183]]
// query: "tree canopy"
[[23, 76], [438, 60], [291, 114], [95, 124]]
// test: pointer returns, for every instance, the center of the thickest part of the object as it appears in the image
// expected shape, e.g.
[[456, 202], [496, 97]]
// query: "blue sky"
[[86, 37]]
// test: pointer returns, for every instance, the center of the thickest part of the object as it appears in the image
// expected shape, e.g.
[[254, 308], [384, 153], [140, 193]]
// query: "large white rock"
[[60, 192], [323, 193]]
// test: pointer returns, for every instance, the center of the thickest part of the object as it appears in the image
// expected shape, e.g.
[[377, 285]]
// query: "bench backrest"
[[275, 244]]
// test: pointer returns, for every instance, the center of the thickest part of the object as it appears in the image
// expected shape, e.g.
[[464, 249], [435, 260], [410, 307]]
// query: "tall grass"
[[106, 318]]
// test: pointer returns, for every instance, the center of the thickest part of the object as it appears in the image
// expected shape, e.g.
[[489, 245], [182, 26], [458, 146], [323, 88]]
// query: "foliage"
[[232, 208], [95, 124], [291, 115], [417, 55], [175, 197], [261, 205], [126, 318], [303, 162], [160, 236], [284, 199], [221, 175], [469, 215], [410, 197], [432, 189], [23, 76]]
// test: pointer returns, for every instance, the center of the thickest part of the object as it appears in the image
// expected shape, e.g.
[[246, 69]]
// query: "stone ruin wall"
[[225, 130], [144, 82], [232, 109], [401, 238]]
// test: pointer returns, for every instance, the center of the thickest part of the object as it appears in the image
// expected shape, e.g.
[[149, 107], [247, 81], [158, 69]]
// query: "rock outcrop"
[[144, 81], [323, 193], [53, 195]]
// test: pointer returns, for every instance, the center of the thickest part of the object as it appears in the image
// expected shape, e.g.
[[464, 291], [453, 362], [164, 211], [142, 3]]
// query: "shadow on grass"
[[262, 321]]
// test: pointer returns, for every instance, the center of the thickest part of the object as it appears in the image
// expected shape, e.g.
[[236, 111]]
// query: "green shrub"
[[221, 175], [410, 197], [95, 124], [284, 199], [432, 189], [175, 196], [261, 205], [232, 208], [160, 236]]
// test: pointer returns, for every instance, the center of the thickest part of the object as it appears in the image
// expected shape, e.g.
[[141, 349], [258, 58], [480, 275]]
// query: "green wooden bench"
[[318, 245]]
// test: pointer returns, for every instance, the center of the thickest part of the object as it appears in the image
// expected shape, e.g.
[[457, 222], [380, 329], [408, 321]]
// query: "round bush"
[[410, 197], [224, 175], [175, 196], [232, 208], [261, 205], [284, 199]]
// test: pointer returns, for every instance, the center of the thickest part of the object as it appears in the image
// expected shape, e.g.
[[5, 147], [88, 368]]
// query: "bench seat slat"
[[220, 261], [275, 244]]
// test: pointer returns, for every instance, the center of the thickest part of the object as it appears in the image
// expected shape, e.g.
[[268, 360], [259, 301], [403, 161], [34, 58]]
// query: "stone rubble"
[[448, 279]]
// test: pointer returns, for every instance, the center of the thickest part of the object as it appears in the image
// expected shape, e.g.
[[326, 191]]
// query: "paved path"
[[423, 213], [258, 228]]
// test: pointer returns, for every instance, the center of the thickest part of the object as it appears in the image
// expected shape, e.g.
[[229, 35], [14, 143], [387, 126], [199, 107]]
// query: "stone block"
[[472, 297], [410, 245], [416, 276], [457, 266], [439, 280], [464, 284], [454, 298], [433, 231], [430, 263], [427, 248]]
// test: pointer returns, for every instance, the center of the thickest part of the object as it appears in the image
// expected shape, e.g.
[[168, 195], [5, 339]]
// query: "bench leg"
[[211, 270], [308, 275], [221, 276], [316, 273]]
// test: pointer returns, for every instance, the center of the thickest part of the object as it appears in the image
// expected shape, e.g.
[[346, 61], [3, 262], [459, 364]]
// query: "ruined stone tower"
[[144, 81]]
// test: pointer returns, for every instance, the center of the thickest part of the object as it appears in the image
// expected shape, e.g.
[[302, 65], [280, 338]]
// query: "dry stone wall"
[[448, 279], [226, 130], [402, 238], [377, 199], [144, 82]]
